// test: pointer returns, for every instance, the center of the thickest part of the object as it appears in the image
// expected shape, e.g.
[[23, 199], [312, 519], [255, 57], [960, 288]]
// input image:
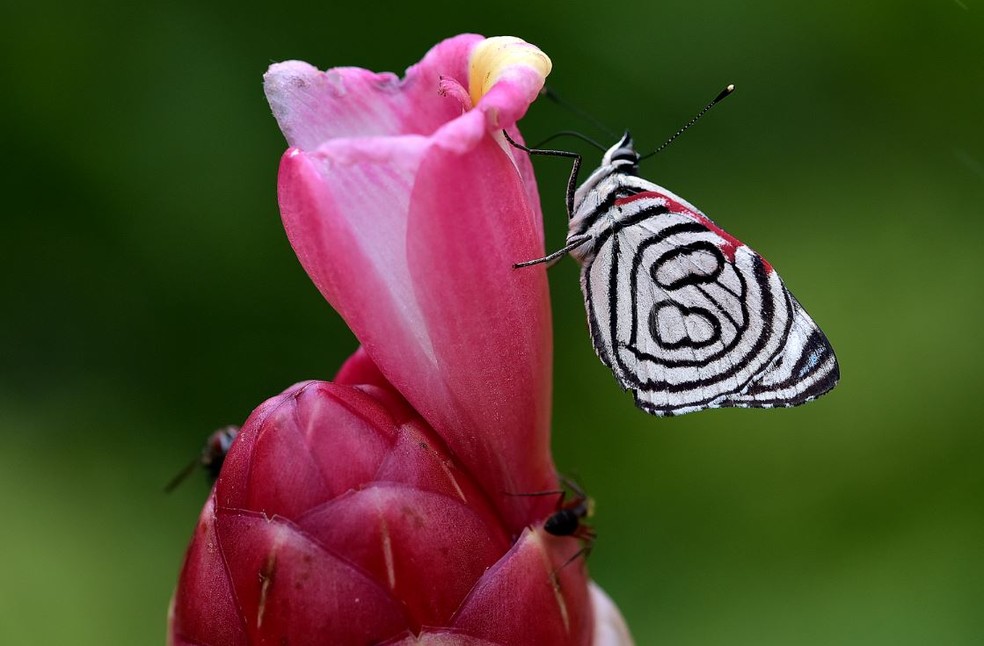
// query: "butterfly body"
[[686, 316]]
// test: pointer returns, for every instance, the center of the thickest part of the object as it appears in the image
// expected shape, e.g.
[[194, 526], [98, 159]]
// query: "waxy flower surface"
[[381, 507]]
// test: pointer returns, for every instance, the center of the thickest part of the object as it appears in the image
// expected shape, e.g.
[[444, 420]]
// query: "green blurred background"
[[150, 296]]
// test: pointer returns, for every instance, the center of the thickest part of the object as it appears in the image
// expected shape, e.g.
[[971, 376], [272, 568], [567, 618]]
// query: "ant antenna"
[[553, 96], [182, 475], [210, 458], [720, 97], [568, 519], [571, 133]]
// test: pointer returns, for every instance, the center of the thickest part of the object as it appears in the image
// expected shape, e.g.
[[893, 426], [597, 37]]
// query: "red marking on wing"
[[645, 195], [730, 244], [765, 263]]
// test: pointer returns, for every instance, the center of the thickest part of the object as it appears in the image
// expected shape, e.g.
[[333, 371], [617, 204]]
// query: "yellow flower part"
[[493, 56]]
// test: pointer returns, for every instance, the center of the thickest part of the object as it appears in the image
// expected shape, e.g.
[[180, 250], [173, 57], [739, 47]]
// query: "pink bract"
[[340, 518], [408, 210], [381, 507]]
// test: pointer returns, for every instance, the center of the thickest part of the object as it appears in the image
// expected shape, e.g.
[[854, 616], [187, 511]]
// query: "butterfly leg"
[[571, 182], [572, 243]]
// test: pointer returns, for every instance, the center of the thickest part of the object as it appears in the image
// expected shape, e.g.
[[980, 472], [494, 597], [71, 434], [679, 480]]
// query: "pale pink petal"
[[313, 107], [407, 208], [610, 628], [507, 74], [436, 303], [347, 223], [489, 324], [412, 239], [525, 168]]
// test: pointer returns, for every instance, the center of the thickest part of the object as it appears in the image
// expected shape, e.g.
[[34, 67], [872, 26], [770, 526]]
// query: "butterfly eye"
[[625, 155], [625, 159]]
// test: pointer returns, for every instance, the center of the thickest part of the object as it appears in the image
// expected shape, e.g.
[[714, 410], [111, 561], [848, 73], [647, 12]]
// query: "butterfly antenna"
[[553, 96], [720, 97], [571, 133]]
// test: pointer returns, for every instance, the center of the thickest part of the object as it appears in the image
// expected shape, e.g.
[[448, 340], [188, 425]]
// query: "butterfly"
[[686, 316]]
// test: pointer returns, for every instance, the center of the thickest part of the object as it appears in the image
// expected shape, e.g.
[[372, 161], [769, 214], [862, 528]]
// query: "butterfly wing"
[[805, 369], [688, 318]]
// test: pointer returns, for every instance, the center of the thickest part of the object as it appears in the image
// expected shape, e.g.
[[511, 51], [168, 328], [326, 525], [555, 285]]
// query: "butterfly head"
[[623, 156]]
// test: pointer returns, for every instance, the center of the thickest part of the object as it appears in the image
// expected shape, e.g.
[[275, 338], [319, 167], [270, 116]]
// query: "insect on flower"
[[210, 459], [686, 316], [570, 517], [368, 509]]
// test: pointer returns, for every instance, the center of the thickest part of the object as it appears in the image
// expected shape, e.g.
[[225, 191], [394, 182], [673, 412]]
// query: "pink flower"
[[381, 507]]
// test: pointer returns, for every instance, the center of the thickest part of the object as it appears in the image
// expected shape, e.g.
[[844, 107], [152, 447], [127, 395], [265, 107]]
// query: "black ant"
[[211, 458], [570, 517]]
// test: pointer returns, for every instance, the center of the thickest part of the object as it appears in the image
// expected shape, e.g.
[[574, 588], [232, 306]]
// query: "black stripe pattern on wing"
[[806, 369], [604, 207], [686, 316], [731, 355], [717, 345]]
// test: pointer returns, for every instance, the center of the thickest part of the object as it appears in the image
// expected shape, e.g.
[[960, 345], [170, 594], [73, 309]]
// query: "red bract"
[[380, 508]]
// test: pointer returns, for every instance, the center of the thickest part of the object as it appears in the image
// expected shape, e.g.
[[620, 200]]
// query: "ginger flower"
[[380, 508]]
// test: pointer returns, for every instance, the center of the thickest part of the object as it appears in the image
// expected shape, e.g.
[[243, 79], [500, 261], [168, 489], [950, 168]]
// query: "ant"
[[211, 458], [570, 517]]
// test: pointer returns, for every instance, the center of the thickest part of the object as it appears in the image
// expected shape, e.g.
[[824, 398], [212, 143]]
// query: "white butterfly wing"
[[805, 369], [689, 318]]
